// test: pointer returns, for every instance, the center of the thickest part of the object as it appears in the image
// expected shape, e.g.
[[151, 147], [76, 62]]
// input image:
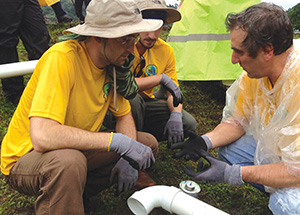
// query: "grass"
[[205, 101]]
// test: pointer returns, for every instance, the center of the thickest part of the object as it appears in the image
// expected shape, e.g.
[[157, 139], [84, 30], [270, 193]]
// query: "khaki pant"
[[59, 178]]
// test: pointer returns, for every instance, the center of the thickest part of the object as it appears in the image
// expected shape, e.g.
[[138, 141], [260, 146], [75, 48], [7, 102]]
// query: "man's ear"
[[268, 52]]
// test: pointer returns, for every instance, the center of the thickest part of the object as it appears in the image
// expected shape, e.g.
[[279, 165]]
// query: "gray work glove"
[[126, 175], [174, 128], [216, 171], [173, 89], [190, 148], [137, 154]]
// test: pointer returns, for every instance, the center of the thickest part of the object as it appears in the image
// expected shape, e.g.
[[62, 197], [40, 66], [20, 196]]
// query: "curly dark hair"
[[266, 24]]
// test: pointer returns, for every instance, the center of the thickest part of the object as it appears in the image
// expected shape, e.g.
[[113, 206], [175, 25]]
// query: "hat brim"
[[173, 15], [118, 31]]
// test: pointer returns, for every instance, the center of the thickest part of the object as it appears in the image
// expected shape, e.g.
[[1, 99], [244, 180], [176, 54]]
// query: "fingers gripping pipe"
[[171, 199]]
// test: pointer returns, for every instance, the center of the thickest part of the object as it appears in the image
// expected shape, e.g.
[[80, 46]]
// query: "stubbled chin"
[[148, 44]]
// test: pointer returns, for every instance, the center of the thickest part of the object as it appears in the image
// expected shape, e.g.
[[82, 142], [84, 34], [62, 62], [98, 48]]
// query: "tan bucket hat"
[[113, 19], [173, 15]]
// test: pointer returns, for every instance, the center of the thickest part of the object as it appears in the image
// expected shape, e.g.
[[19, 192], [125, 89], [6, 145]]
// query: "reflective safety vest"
[[200, 41]]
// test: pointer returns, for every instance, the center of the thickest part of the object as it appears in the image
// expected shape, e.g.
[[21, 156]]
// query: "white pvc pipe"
[[171, 199], [18, 68]]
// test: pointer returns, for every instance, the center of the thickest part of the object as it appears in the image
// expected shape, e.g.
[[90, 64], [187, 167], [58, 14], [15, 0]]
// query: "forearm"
[[126, 125], [47, 135], [149, 82], [225, 133], [170, 104], [273, 175]]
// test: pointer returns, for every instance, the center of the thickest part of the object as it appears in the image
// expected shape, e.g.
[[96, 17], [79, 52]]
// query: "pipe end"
[[136, 206]]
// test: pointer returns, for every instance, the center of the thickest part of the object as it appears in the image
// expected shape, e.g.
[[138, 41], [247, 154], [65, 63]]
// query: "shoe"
[[64, 19], [144, 180]]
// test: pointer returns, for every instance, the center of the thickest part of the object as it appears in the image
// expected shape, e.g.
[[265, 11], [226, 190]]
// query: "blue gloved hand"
[[190, 148], [173, 89], [126, 174], [137, 154], [216, 171], [174, 128]]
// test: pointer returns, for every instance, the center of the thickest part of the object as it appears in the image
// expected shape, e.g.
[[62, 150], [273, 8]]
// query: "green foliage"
[[56, 31], [22, 52], [294, 14], [164, 32], [13, 202]]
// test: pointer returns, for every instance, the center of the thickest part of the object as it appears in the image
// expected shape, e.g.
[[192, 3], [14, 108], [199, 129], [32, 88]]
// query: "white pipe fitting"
[[171, 199], [18, 68]]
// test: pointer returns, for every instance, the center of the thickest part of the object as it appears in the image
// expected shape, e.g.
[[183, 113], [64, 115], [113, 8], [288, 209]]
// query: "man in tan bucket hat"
[[155, 65], [52, 149]]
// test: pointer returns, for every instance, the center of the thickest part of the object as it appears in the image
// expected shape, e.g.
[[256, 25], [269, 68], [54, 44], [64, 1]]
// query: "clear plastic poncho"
[[271, 115]]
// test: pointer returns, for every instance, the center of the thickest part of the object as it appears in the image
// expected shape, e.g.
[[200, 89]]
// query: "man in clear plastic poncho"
[[259, 136]]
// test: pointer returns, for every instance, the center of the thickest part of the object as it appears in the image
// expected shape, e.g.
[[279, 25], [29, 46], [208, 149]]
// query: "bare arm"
[[47, 134], [126, 125], [224, 134], [149, 82], [170, 104], [274, 175]]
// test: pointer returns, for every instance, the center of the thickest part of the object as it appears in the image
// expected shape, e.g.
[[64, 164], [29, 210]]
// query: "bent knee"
[[189, 122], [148, 140], [137, 103], [285, 201], [69, 160]]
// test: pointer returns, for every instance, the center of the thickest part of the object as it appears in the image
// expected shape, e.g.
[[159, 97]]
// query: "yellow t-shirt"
[[67, 87], [251, 95], [159, 59]]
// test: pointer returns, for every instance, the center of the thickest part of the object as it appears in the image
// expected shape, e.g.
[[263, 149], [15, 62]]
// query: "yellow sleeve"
[[122, 106], [53, 87]]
